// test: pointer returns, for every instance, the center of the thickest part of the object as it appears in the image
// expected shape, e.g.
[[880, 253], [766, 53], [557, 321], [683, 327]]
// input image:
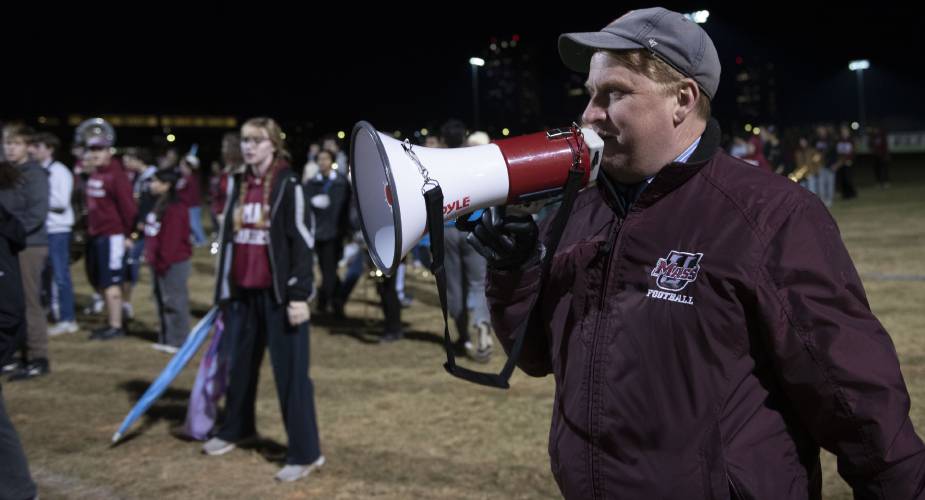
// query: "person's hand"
[[506, 241], [297, 311], [129, 243], [321, 201]]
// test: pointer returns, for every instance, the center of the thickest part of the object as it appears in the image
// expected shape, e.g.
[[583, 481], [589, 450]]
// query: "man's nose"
[[593, 113]]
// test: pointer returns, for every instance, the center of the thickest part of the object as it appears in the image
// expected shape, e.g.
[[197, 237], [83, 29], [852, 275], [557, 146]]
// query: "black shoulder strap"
[[434, 201]]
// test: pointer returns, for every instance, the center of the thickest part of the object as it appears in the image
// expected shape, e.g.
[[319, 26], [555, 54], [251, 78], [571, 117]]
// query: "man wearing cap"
[[705, 326], [110, 216]]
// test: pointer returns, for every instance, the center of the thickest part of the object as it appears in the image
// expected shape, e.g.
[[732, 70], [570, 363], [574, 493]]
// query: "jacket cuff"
[[512, 286], [297, 293]]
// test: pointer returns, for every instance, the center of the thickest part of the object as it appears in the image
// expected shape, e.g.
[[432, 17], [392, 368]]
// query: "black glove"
[[507, 241]]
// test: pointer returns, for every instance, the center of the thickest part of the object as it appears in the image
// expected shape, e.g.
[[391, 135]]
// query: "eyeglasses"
[[253, 140]]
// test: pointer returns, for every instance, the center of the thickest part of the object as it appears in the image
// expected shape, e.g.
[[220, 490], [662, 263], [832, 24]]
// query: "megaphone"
[[390, 177]]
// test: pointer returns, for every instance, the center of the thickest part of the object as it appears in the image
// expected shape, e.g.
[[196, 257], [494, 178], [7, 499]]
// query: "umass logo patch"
[[673, 273]]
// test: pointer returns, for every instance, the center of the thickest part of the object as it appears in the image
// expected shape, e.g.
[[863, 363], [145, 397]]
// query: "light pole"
[[475, 63], [858, 67]]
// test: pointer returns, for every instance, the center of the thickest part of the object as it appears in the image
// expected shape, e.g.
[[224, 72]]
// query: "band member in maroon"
[[168, 251], [110, 214]]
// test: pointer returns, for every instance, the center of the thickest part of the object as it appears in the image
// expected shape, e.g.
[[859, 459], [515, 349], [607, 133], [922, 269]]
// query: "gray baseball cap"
[[673, 38]]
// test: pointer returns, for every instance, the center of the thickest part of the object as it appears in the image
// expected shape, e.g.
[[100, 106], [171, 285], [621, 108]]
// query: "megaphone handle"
[[433, 200]]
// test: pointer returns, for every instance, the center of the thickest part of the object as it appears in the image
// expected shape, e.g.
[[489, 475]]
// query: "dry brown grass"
[[393, 424]]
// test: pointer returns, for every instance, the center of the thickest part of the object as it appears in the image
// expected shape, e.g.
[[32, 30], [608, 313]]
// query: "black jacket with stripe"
[[292, 240]]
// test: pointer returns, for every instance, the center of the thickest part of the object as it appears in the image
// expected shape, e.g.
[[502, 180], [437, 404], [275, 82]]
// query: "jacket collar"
[[666, 180]]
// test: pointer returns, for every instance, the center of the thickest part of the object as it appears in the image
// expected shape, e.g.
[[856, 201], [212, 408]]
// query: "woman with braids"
[[264, 281], [168, 251]]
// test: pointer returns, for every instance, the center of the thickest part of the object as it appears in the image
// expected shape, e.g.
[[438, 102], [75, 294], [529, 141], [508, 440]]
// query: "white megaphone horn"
[[390, 176]]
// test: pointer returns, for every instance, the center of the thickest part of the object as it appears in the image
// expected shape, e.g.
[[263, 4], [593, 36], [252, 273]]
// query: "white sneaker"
[[484, 337], [295, 472], [63, 327], [97, 306], [481, 350], [217, 446], [169, 349]]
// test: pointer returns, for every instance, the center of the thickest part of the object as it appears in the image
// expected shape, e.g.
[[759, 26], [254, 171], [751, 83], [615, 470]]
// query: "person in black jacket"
[[14, 473], [264, 283], [328, 193]]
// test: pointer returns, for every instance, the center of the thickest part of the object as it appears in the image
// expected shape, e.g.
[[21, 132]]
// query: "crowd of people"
[[270, 230]]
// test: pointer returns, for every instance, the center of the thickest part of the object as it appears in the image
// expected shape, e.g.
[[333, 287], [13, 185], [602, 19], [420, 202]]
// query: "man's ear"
[[687, 95]]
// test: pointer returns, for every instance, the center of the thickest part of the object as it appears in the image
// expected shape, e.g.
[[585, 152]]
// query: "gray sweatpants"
[[465, 282], [173, 303]]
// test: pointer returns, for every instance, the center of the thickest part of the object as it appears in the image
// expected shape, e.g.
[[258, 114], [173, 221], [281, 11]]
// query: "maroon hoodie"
[[188, 190], [111, 209], [167, 240], [218, 192]]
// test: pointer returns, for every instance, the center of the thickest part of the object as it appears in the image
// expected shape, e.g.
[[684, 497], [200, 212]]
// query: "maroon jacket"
[[167, 240], [110, 207], [188, 190], [707, 344], [217, 187]]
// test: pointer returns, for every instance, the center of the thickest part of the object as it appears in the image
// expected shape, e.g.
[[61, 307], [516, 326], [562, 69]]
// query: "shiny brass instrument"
[[809, 162]]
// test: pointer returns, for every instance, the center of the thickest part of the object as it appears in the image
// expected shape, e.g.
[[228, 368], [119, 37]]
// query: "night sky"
[[407, 67]]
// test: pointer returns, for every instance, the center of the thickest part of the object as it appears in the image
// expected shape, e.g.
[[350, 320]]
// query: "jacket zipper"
[[273, 275], [615, 231]]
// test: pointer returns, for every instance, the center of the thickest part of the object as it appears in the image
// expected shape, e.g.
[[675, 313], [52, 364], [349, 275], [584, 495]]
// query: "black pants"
[[15, 481], [391, 308], [254, 322], [329, 254], [881, 170], [845, 182]]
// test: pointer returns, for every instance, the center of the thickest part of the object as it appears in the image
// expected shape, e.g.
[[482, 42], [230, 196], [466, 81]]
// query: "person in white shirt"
[[59, 223]]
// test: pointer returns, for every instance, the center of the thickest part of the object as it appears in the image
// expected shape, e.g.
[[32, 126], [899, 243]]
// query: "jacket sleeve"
[[174, 229], [124, 200], [36, 194], [153, 252], [61, 183], [11, 229], [836, 363], [510, 294], [301, 239]]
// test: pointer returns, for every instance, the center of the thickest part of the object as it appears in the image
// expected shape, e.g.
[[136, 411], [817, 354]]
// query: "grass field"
[[393, 424]]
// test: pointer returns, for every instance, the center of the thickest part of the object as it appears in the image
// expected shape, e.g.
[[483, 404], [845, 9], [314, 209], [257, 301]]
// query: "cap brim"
[[576, 49]]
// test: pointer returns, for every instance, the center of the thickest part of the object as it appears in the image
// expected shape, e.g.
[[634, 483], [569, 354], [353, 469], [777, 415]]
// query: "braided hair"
[[280, 155]]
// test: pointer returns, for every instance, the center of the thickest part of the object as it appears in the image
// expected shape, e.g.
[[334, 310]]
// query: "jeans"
[[195, 224], [59, 253]]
